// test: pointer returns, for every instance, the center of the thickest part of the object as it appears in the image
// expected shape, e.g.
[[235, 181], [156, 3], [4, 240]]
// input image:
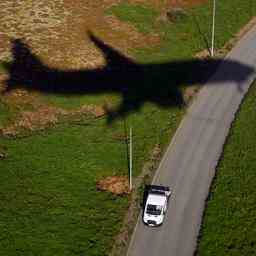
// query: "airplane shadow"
[[137, 83]]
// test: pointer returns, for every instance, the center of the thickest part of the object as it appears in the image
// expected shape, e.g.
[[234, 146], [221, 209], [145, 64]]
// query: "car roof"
[[156, 199]]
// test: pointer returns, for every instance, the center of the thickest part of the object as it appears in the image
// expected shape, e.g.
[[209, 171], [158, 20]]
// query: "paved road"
[[189, 163]]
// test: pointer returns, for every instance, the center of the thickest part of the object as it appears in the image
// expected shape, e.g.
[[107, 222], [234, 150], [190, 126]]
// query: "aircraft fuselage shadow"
[[137, 83]]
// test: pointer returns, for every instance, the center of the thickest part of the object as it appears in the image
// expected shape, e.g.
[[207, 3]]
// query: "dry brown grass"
[[40, 119], [56, 30], [118, 185], [35, 21], [44, 116]]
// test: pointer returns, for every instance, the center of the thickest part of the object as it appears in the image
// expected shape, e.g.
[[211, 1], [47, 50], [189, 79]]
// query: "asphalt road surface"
[[188, 165]]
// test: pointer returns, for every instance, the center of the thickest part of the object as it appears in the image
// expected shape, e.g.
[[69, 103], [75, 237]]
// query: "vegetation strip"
[[229, 224]]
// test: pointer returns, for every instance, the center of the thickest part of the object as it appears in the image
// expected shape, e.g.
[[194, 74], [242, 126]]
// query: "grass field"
[[229, 226], [49, 204], [191, 32]]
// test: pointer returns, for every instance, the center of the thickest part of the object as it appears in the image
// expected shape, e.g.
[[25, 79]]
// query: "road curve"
[[189, 163]]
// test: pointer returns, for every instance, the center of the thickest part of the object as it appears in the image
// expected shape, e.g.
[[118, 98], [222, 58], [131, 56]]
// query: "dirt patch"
[[33, 120], [118, 185], [96, 111], [20, 98], [120, 137], [47, 116]]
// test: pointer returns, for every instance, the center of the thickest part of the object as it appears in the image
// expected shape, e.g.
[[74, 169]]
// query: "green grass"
[[48, 198], [229, 225], [190, 34], [142, 17], [3, 66], [4, 114], [75, 101], [49, 204]]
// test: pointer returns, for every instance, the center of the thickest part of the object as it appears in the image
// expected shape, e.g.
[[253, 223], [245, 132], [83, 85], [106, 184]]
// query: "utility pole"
[[213, 26], [130, 158]]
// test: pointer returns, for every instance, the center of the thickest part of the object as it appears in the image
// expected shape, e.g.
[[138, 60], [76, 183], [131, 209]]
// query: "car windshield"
[[154, 209]]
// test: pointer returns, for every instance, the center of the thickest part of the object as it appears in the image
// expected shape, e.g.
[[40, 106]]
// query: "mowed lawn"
[[48, 198], [229, 226], [49, 204], [189, 32]]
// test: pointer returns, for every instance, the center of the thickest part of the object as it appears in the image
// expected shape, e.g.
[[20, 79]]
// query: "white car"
[[156, 205]]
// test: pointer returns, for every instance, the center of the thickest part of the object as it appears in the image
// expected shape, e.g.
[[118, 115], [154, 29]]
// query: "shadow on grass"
[[159, 83]]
